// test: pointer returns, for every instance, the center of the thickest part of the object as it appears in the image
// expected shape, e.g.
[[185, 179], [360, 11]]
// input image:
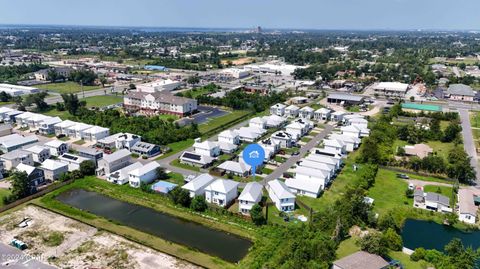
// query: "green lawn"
[[64, 115], [389, 192], [176, 178], [177, 163], [214, 123], [475, 119], [102, 100], [347, 247], [177, 147], [167, 117], [66, 87], [3, 193], [439, 148]]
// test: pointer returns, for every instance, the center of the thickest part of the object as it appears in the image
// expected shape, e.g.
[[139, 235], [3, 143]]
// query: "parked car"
[[18, 244], [403, 176]]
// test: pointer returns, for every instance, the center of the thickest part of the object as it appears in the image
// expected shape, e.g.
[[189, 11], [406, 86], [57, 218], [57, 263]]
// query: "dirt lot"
[[71, 244]]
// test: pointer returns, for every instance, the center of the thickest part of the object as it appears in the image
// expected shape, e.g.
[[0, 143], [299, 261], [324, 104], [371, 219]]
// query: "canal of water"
[[227, 246]]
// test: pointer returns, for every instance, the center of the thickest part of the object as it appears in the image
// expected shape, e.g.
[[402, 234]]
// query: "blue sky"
[[298, 14]]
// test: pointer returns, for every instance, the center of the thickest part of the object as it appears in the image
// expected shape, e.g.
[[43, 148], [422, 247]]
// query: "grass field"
[[176, 178], [178, 164], [102, 100], [152, 200], [389, 192], [222, 120], [3, 193], [66, 87], [93, 101], [176, 147], [167, 117], [439, 148]]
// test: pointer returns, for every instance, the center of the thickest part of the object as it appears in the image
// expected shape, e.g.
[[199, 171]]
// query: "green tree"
[[161, 174], [87, 168], [21, 185], [198, 204], [418, 254], [180, 196], [256, 213], [393, 240], [373, 243]]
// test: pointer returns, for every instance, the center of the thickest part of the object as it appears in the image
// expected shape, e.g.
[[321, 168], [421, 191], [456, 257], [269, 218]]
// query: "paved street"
[[468, 142], [11, 257], [294, 159]]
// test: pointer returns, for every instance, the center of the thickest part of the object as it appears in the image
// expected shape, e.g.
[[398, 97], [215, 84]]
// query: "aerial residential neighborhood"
[[320, 138]]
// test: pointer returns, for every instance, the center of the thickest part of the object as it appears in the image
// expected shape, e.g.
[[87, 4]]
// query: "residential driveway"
[[468, 142], [421, 183], [278, 172], [11, 257]]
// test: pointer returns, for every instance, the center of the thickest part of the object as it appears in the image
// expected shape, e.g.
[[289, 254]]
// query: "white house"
[[250, 134], [73, 161], [258, 122], [270, 148], [351, 142], [196, 187], [35, 175], [35, 121], [206, 147], [229, 136], [274, 121], [62, 127], [322, 114], [350, 130], [15, 141], [39, 153], [239, 168], [120, 177], [325, 159], [336, 145], [337, 116], [283, 139], [292, 111], [327, 168], [53, 169], [306, 112], [96, 133], [280, 194], [56, 147], [13, 158], [113, 162], [310, 188], [221, 192], [359, 122], [77, 130], [278, 109], [308, 173], [467, 210], [195, 159], [48, 126], [22, 119], [145, 174], [296, 130], [251, 195], [119, 141]]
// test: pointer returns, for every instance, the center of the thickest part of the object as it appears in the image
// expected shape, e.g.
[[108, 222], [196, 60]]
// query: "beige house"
[[419, 150]]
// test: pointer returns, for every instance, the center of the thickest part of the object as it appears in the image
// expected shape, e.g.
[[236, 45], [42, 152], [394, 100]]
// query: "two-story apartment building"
[[159, 103]]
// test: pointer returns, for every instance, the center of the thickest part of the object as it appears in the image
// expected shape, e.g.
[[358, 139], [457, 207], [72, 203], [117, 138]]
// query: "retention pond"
[[226, 246]]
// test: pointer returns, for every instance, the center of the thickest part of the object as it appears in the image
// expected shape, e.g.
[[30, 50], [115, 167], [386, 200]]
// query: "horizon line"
[[239, 28]]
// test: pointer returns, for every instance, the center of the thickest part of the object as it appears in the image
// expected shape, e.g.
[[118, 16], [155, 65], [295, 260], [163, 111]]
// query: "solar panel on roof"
[[192, 156], [70, 157]]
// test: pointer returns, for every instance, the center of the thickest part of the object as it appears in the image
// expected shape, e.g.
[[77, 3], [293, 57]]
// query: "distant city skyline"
[[273, 14]]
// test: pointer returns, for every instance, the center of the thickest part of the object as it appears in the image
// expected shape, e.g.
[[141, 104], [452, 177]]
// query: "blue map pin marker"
[[253, 155]]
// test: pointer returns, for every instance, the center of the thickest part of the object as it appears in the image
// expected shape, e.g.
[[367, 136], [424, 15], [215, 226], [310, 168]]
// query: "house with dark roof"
[[360, 260], [145, 149], [345, 99], [460, 92]]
